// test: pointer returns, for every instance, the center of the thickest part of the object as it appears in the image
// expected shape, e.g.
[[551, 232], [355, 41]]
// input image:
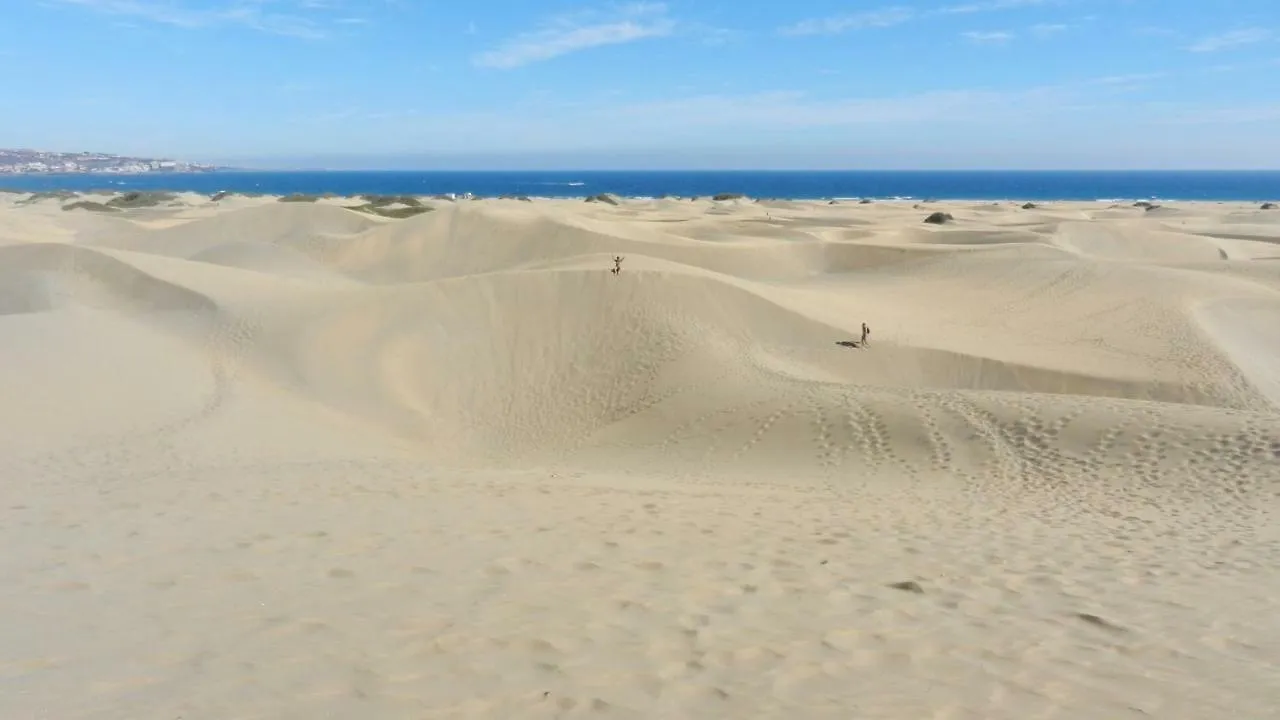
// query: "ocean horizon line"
[[953, 185]]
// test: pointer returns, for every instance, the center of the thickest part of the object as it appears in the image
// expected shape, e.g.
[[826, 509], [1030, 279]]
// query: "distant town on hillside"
[[29, 162]]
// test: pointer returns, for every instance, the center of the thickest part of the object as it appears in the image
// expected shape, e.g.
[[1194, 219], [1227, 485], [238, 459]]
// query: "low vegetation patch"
[[299, 197], [398, 213], [51, 195], [380, 201], [728, 196], [90, 206], [131, 200]]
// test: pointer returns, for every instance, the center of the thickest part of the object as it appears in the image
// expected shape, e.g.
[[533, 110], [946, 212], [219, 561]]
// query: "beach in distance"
[[324, 447]]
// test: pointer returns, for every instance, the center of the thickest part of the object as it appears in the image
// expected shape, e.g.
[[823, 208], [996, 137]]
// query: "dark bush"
[[90, 206], [132, 200]]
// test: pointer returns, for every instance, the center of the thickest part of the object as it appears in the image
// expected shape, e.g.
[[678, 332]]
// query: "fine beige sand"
[[290, 460]]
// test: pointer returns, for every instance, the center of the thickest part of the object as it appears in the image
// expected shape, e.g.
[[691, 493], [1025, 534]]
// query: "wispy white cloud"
[[1235, 38], [992, 5], [793, 109], [884, 17], [997, 37], [1127, 80], [166, 14], [898, 14], [572, 33], [1041, 124], [1237, 115], [297, 18], [1242, 66], [714, 36], [1044, 30]]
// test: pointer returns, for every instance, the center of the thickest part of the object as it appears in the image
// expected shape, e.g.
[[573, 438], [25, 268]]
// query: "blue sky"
[[685, 83]]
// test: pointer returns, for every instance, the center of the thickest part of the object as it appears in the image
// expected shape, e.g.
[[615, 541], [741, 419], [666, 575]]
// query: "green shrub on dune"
[[131, 200], [398, 213], [385, 200], [50, 195], [90, 206]]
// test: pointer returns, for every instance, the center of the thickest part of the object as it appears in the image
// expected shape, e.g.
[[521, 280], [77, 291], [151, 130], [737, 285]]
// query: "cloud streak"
[[898, 14], [884, 17], [1044, 30], [997, 37], [992, 6], [1233, 39], [248, 14], [547, 124], [569, 34]]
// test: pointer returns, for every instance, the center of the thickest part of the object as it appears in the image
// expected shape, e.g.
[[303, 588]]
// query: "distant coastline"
[[916, 185], [21, 162]]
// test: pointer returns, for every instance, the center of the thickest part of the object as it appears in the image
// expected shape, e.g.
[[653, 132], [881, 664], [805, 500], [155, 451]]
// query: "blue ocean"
[[879, 184]]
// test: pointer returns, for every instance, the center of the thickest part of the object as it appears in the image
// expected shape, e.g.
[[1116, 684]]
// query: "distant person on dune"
[[866, 330]]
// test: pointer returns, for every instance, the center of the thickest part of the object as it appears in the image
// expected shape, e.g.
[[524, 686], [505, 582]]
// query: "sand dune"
[[1247, 331], [291, 460]]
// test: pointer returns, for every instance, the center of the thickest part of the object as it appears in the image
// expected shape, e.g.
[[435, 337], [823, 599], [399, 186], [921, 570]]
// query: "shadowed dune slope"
[[467, 240], [279, 260], [495, 331], [538, 362], [43, 277], [302, 226]]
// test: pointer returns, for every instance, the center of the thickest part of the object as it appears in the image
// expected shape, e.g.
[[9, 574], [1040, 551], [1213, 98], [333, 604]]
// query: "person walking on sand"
[[865, 332]]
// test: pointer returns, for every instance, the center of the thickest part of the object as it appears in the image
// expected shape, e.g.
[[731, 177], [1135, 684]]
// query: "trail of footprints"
[[763, 427], [941, 453], [830, 455], [1029, 446]]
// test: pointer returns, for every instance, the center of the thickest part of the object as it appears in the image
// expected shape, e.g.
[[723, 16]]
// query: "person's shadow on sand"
[[866, 331]]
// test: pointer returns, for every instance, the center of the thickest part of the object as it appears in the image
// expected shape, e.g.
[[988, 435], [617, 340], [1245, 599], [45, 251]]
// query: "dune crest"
[[295, 460]]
